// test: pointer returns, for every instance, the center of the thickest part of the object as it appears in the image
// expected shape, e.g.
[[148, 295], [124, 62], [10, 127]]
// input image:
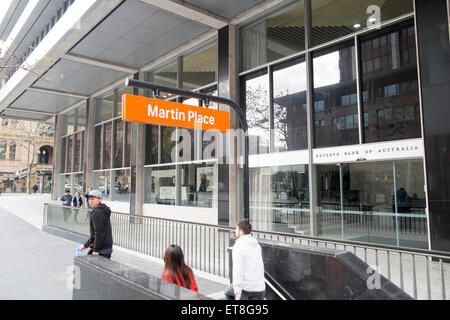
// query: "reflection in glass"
[[289, 109], [151, 144], [166, 76], [62, 167], [121, 180], [199, 68], [81, 119], [63, 184], [77, 150], [69, 153], [274, 37], [70, 122], [104, 108], [128, 143], [335, 115], [101, 181], [279, 198], [98, 147], [160, 185], [122, 91], [255, 90], [78, 184], [168, 144], [107, 146], [118, 145], [197, 185], [389, 76], [367, 202], [332, 19]]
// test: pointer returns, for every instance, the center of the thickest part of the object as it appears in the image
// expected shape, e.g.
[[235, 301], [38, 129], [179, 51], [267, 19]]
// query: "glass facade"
[[354, 84], [335, 115], [381, 202], [389, 82], [289, 106], [276, 36], [279, 198], [255, 95], [337, 18], [356, 89]]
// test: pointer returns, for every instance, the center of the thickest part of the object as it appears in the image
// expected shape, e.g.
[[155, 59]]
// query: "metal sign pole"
[[209, 98]]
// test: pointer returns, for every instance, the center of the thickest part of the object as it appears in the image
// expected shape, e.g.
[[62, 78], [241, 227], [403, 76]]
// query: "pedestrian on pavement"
[[248, 266], [66, 200], [176, 270], [77, 200], [35, 188], [100, 241], [77, 203]]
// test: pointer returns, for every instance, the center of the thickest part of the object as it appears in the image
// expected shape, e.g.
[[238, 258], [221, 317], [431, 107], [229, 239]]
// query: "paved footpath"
[[34, 265]]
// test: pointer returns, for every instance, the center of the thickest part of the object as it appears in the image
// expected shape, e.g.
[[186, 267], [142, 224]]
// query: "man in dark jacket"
[[100, 241]]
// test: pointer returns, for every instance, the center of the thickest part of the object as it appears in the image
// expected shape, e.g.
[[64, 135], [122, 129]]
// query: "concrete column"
[[88, 161], [230, 197], [57, 155], [137, 163]]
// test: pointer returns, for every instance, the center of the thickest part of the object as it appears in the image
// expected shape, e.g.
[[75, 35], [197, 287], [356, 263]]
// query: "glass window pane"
[[63, 184], [70, 122], [255, 89], [334, 91], [122, 181], [98, 145], [104, 108], [332, 19], [78, 184], [78, 145], [160, 185], [197, 185], [151, 144], [118, 144], [289, 109], [279, 198], [128, 143], [274, 37], [81, 119], [101, 182], [62, 165], [199, 68], [121, 91], [166, 76], [168, 144], [107, 146], [3, 150], [365, 202], [392, 102], [69, 153], [12, 151]]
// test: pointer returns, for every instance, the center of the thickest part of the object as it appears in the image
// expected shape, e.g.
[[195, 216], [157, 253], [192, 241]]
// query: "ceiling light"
[[356, 26]]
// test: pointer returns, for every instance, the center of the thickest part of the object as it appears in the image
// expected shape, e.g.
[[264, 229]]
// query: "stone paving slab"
[[34, 264]]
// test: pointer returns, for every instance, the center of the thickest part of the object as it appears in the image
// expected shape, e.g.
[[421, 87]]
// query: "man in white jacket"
[[248, 267]]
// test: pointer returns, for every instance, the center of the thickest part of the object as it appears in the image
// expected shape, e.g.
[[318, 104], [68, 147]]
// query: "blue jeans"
[[246, 295]]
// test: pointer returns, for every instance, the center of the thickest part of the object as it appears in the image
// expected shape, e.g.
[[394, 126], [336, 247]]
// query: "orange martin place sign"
[[168, 113]]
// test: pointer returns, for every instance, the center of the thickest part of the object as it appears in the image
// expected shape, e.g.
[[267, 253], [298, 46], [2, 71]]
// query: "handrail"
[[435, 253]]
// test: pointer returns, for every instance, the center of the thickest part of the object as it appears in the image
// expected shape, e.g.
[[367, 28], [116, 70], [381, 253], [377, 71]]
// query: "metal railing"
[[423, 274]]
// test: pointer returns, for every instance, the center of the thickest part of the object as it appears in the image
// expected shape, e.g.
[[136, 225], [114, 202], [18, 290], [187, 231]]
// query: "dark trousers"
[[107, 256], [246, 295]]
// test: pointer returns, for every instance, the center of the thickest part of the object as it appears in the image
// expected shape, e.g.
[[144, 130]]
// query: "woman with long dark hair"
[[175, 269]]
